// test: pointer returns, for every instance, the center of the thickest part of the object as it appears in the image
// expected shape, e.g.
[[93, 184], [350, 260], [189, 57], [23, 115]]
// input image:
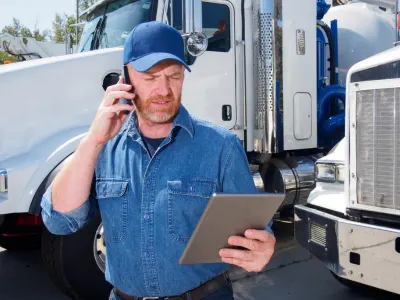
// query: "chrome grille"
[[318, 234], [378, 145]]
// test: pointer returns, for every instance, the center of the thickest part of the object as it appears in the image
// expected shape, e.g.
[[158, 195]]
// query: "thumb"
[[121, 80]]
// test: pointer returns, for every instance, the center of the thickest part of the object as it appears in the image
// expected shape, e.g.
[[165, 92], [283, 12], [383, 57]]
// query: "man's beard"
[[158, 115]]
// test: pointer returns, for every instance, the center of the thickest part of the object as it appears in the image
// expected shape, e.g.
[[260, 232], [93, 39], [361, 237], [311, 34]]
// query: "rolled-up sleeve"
[[67, 223], [237, 177]]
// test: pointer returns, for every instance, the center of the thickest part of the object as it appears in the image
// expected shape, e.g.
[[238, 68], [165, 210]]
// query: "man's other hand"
[[259, 246]]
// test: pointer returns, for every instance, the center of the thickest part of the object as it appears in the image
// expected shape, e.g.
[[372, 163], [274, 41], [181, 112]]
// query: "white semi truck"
[[272, 72], [351, 221], [27, 48]]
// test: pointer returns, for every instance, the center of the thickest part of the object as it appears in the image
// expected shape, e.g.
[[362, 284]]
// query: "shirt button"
[[191, 188], [146, 217]]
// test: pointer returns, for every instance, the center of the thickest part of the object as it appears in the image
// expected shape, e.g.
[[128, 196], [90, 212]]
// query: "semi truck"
[[271, 71], [351, 221], [28, 48]]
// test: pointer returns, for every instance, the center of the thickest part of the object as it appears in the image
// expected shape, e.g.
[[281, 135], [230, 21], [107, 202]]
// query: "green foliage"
[[61, 28], [82, 6], [85, 4], [5, 56], [14, 29], [17, 29], [58, 29], [45, 35]]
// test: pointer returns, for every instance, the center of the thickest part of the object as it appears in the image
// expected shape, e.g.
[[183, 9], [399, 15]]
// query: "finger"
[[119, 107], [250, 244], [260, 235], [119, 87], [116, 95], [122, 116], [238, 254], [248, 266], [234, 261], [121, 80]]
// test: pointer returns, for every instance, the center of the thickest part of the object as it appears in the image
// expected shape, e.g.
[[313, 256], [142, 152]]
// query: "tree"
[[58, 29], [41, 36], [61, 29], [17, 29], [82, 6], [5, 56], [85, 4], [62, 26], [25, 32], [14, 29], [45, 35]]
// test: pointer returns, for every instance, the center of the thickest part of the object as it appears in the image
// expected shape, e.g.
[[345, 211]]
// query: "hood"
[[48, 97]]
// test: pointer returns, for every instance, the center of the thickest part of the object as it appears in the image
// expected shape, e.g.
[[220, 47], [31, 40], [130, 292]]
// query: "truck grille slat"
[[378, 148], [318, 234]]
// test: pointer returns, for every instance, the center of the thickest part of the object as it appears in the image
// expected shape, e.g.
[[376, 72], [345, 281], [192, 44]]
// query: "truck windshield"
[[108, 25]]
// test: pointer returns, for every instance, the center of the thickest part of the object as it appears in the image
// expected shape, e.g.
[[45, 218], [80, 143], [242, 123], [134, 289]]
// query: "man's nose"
[[163, 86]]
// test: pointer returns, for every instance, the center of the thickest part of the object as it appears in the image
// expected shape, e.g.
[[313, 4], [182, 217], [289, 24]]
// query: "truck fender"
[[35, 207], [57, 159]]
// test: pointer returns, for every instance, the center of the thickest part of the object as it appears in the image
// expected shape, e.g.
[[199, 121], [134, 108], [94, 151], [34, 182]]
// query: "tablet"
[[226, 215]]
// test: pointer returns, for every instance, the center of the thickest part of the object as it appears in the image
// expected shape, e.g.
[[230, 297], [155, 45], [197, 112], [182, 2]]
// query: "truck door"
[[209, 91]]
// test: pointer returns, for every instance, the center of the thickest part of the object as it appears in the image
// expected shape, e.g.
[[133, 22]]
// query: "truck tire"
[[20, 243], [71, 263]]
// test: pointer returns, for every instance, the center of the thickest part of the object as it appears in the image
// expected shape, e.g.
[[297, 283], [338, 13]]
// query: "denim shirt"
[[151, 205]]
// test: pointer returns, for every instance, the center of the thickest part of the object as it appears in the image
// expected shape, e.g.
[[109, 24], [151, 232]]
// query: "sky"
[[30, 11]]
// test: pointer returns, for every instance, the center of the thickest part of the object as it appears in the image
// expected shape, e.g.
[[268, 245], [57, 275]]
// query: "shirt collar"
[[183, 120]]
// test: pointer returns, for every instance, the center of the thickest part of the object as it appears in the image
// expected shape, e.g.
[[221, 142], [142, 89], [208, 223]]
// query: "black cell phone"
[[126, 78], [127, 81]]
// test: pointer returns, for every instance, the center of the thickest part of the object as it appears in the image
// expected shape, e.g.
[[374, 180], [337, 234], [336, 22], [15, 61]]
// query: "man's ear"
[[132, 73]]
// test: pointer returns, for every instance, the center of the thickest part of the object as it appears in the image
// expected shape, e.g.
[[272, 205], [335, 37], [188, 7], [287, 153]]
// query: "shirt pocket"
[[112, 197], [187, 199]]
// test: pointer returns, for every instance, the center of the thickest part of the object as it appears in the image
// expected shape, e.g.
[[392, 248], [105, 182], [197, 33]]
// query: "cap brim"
[[147, 62]]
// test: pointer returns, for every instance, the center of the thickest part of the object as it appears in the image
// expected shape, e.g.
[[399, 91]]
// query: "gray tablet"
[[226, 215]]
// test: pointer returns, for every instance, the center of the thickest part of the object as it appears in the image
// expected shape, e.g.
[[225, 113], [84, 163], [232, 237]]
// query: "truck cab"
[[351, 221]]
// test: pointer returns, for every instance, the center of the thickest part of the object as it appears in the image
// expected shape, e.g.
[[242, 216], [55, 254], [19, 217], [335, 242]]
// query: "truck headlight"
[[340, 173], [329, 172]]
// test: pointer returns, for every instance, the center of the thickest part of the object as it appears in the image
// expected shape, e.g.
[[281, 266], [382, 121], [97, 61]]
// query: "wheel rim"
[[99, 248]]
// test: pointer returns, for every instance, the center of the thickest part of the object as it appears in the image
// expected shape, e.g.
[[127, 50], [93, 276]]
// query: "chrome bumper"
[[358, 252], [3, 181]]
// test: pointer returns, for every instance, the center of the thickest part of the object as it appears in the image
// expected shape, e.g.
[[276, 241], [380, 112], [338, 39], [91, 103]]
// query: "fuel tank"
[[363, 31]]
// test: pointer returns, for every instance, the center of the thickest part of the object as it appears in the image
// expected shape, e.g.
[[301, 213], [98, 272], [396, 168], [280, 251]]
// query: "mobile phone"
[[127, 81], [126, 78]]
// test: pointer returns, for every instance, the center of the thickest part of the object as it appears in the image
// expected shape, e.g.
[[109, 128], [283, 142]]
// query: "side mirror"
[[192, 27]]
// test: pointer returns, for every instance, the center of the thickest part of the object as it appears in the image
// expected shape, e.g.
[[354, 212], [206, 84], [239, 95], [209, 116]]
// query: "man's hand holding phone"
[[110, 115]]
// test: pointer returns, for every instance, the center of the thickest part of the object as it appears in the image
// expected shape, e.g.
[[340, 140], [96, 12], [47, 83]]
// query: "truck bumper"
[[358, 252]]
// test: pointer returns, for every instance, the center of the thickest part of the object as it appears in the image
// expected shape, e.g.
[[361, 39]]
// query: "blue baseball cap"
[[152, 42]]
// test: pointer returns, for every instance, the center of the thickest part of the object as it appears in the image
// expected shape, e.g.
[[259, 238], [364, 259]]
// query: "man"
[[151, 174]]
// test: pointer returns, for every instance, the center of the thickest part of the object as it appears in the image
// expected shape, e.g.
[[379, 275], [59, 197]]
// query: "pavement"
[[291, 274]]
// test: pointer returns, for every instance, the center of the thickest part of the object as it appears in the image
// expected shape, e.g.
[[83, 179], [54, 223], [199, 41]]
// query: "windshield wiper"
[[98, 33], [91, 35], [87, 39], [103, 34]]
